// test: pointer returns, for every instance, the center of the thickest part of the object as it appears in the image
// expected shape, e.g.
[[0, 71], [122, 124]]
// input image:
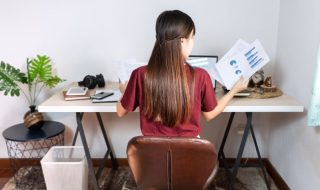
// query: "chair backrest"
[[172, 163]]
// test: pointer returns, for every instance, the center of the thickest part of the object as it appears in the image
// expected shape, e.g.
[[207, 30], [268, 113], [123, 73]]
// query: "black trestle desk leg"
[[259, 157], [109, 151], [87, 152], [241, 148], [221, 155], [77, 131]]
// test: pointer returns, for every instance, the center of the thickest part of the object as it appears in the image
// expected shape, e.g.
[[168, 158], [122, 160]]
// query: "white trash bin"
[[65, 168]]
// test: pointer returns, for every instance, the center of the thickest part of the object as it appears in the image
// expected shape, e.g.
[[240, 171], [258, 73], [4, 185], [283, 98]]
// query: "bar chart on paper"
[[253, 58]]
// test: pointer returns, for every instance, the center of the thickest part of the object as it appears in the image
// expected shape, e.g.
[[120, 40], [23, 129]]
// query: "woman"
[[170, 93]]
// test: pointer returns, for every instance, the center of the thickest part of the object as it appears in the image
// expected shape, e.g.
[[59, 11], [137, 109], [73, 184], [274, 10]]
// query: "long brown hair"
[[168, 93]]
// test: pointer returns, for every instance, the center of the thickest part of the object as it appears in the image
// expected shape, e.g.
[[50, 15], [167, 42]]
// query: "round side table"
[[26, 147]]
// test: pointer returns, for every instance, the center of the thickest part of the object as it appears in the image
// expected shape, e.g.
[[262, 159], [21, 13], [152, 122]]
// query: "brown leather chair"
[[173, 163]]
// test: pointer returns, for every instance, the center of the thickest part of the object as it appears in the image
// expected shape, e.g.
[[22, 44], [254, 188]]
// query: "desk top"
[[283, 103]]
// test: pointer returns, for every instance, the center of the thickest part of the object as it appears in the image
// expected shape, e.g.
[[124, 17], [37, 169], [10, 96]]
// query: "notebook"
[[76, 97], [113, 98]]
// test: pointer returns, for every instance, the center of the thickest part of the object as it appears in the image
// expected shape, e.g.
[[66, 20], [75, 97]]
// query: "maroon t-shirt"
[[204, 100]]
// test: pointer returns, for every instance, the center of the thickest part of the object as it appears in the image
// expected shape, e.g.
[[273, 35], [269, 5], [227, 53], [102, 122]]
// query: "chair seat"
[[172, 162]]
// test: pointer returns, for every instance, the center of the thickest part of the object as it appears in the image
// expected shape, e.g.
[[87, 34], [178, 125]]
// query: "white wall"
[[294, 147], [88, 37]]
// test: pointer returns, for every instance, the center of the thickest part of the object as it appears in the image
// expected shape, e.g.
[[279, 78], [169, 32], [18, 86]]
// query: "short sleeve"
[[130, 98], [208, 98]]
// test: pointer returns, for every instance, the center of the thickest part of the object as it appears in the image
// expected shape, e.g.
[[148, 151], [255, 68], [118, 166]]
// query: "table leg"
[[247, 130], [259, 157], [87, 152], [241, 148], [221, 155], [109, 151], [77, 131]]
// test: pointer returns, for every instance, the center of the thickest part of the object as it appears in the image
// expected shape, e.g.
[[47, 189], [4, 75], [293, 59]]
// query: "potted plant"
[[38, 75]]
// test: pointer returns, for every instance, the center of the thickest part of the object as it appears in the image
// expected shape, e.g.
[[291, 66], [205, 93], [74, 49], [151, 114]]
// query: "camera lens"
[[100, 80], [90, 82]]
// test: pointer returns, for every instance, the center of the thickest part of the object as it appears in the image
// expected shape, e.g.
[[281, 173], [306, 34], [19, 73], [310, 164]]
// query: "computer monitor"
[[205, 62]]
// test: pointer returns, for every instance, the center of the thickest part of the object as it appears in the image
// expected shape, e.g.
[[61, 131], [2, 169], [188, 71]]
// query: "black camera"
[[90, 81]]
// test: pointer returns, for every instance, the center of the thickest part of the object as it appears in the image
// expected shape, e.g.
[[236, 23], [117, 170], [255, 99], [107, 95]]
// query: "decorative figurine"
[[267, 86], [268, 82]]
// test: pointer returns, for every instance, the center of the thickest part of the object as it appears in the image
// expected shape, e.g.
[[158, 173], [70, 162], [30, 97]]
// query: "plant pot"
[[33, 119]]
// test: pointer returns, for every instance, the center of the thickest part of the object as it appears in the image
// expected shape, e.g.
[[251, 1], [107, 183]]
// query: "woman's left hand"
[[123, 86]]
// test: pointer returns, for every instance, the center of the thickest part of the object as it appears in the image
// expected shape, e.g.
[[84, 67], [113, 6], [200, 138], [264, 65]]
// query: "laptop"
[[205, 62]]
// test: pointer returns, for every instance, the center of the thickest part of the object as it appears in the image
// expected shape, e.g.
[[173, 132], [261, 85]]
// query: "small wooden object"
[[264, 95], [269, 91], [267, 86]]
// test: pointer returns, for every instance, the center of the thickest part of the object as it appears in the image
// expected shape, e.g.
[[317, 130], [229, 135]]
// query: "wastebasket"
[[65, 167]]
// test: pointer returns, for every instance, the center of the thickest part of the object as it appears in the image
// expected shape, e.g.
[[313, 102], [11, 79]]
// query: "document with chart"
[[242, 59]]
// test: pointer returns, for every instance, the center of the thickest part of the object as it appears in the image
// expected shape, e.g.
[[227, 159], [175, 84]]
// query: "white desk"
[[56, 103], [284, 103]]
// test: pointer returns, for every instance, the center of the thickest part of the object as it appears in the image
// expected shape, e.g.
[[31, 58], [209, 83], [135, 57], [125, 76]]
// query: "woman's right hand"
[[240, 85]]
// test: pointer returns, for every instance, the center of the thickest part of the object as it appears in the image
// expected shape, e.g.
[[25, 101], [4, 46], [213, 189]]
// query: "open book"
[[243, 59]]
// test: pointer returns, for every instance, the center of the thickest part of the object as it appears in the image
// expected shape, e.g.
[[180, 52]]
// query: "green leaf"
[[9, 79], [17, 92], [40, 67], [53, 81], [3, 65], [39, 70]]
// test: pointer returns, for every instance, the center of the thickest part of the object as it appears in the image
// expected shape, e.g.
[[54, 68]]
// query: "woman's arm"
[[223, 102], [121, 111]]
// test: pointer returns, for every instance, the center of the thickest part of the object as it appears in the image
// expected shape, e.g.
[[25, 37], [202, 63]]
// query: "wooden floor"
[[5, 175]]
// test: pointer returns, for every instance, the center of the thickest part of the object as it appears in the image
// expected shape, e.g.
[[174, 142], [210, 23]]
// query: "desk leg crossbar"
[[94, 177], [237, 164]]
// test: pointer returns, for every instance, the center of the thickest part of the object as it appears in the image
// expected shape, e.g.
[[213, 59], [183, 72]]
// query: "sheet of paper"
[[230, 70], [126, 67], [239, 46], [113, 98], [255, 58], [241, 63]]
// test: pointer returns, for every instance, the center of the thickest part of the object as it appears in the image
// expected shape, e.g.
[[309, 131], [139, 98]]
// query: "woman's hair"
[[168, 91]]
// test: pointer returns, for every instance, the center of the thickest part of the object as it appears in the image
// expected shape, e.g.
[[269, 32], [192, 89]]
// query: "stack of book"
[[76, 93]]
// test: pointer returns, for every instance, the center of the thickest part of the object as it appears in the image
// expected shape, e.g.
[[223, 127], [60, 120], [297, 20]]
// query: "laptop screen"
[[205, 62]]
